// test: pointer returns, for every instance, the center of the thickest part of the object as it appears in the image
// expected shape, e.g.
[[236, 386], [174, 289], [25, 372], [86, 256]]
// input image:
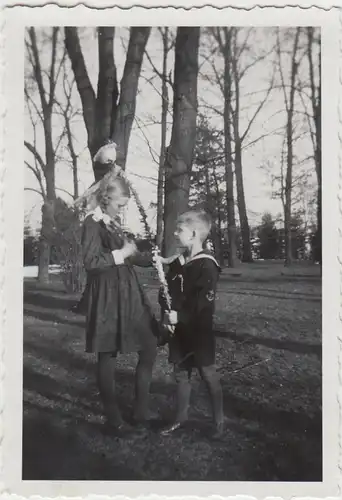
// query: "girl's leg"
[[143, 378], [212, 380], [106, 382]]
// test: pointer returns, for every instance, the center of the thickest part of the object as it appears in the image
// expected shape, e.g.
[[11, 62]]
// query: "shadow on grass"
[[63, 436], [52, 451], [287, 345], [273, 343], [277, 436]]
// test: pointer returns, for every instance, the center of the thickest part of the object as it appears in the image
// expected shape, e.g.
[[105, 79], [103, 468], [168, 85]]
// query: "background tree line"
[[210, 119]]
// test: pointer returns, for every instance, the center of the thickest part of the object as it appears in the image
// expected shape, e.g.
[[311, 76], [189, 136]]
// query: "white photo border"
[[14, 20]]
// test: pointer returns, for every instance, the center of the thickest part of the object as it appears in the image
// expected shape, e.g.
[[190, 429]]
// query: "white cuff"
[[118, 257]]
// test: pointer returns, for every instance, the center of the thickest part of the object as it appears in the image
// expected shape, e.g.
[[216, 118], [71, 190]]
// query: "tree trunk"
[[228, 166], [129, 88], [161, 174], [316, 110], [289, 142], [105, 117], [241, 201], [47, 100], [180, 153], [46, 234], [107, 88], [219, 219], [84, 86]]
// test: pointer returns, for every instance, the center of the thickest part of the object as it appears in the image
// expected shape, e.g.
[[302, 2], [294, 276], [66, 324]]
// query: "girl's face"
[[184, 235], [117, 202]]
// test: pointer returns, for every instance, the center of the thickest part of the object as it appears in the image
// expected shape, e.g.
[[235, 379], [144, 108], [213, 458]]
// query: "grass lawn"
[[265, 316]]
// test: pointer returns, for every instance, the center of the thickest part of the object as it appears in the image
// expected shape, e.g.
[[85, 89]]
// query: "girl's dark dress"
[[119, 317], [192, 288]]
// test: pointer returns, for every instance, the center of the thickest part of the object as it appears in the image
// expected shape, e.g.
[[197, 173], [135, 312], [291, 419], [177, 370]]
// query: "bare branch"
[[35, 153], [258, 109], [34, 191], [38, 176]]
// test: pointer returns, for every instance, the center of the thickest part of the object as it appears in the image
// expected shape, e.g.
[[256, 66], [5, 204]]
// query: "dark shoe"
[[167, 431]]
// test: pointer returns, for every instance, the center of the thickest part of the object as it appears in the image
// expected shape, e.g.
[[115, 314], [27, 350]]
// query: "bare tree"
[[164, 76], [108, 113], [238, 59], [316, 135], [223, 38], [289, 100], [180, 152], [69, 112], [239, 71], [42, 81]]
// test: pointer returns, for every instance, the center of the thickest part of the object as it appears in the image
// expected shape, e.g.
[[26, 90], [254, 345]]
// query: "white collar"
[[98, 215]]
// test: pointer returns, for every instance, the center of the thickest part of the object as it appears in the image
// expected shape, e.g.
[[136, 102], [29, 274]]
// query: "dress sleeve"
[[198, 306], [141, 259], [95, 255]]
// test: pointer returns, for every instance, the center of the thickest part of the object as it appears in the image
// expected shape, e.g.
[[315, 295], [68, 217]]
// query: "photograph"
[[170, 235], [172, 254]]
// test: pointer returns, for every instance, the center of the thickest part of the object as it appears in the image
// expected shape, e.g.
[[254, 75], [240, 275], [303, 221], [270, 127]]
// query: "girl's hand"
[[128, 249], [172, 317]]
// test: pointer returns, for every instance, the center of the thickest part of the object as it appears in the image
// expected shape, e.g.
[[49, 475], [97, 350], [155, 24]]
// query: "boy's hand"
[[169, 328], [164, 260], [172, 317]]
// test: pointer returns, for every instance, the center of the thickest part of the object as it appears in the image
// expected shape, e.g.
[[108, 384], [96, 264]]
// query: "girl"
[[118, 317]]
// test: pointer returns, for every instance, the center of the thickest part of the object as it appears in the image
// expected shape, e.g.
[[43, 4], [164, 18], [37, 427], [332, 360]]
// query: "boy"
[[192, 282]]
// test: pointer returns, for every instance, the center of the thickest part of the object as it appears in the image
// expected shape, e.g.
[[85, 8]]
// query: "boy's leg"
[[212, 380], [106, 382], [143, 378], [183, 380]]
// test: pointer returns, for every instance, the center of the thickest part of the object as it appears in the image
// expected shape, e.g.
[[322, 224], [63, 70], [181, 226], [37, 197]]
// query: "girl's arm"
[[95, 256]]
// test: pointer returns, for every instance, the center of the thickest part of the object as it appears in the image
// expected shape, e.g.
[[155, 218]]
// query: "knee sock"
[[106, 383], [212, 381], [183, 380], [143, 378]]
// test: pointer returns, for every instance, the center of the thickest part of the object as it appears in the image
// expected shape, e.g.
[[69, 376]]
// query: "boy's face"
[[185, 235]]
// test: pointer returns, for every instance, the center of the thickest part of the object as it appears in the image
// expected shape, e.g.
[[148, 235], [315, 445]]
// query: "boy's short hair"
[[198, 220]]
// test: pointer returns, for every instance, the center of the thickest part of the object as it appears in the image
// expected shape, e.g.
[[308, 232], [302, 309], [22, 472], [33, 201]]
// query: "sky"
[[145, 138]]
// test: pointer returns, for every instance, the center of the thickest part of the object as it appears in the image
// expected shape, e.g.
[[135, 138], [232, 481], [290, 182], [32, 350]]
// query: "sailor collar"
[[198, 256]]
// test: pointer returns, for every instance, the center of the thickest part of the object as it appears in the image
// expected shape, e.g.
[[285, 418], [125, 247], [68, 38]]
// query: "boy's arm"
[[141, 259], [198, 306]]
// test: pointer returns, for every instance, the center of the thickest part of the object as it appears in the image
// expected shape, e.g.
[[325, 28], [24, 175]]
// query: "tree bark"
[[107, 88], [241, 201], [106, 116], [228, 164], [161, 173], [219, 217], [316, 111], [289, 163], [47, 99], [183, 136], [84, 86], [129, 87]]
